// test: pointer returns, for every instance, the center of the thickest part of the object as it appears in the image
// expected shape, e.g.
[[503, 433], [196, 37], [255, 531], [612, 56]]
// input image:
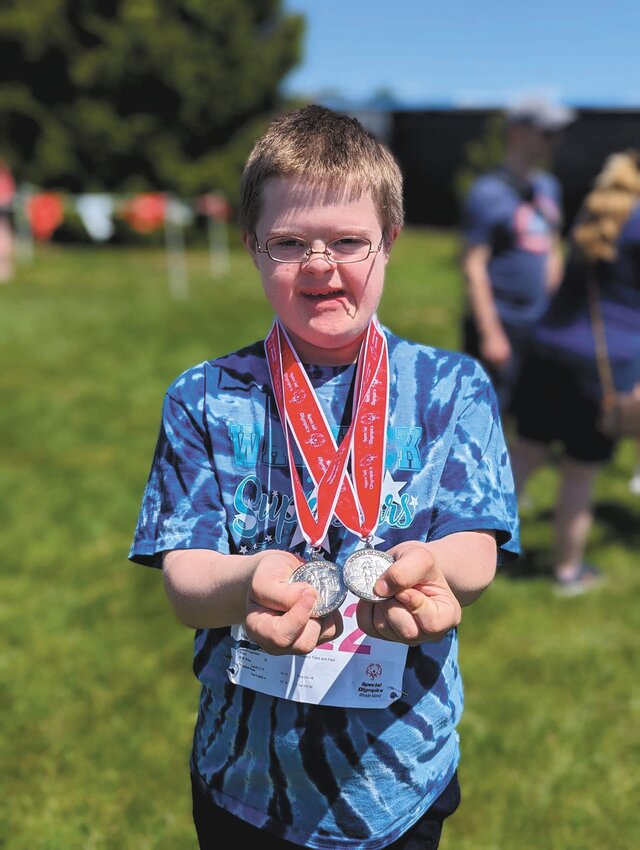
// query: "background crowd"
[[530, 316]]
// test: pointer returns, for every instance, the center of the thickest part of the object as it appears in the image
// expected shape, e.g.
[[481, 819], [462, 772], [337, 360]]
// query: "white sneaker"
[[586, 578]]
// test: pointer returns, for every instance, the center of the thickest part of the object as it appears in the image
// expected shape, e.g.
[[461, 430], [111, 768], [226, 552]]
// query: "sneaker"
[[586, 578]]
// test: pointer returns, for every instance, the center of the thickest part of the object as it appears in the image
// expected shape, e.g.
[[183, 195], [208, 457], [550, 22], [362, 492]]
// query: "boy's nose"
[[320, 254], [318, 262]]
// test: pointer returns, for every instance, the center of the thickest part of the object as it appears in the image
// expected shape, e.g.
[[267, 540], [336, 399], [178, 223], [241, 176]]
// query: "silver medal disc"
[[362, 570], [326, 578]]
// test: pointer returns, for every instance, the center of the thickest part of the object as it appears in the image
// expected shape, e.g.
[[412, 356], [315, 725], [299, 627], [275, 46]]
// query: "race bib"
[[353, 671]]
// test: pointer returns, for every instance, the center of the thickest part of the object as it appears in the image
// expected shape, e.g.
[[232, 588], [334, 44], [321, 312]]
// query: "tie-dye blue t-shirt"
[[316, 775]]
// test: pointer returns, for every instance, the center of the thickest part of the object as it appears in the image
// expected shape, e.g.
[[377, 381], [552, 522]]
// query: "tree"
[[482, 154], [124, 95]]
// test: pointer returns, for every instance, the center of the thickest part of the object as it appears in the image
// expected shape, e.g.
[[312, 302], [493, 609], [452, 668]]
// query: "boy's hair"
[[607, 206], [324, 148]]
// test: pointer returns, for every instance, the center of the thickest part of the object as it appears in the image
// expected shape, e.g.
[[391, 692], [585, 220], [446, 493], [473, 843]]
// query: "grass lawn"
[[97, 697]]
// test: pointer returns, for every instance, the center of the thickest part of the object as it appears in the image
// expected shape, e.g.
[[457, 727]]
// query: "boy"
[[322, 504]]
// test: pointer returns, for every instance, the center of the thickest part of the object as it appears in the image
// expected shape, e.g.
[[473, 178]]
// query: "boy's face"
[[324, 306]]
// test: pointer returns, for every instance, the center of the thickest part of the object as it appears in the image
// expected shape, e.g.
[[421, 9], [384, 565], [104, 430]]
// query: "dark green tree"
[[125, 95]]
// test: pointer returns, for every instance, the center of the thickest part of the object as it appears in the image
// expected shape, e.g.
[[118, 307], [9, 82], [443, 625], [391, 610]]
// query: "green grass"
[[97, 697]]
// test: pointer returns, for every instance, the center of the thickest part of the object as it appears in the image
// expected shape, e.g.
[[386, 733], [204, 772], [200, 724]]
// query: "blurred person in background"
[[558, 398], [512, 258], [7, 237]]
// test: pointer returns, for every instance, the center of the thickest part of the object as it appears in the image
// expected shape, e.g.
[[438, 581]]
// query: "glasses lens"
[[349, 249], [290, 249], [287, 249]]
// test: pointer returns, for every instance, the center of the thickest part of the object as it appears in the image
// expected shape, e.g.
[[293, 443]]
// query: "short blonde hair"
[[325, 148], [605, 209]]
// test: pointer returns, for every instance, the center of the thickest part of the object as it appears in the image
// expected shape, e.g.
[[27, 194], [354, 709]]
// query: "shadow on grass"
[[531, 564], [618, 524]]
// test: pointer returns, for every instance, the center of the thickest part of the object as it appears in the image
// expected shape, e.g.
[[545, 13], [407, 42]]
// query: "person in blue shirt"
[[512, 254], [323, 504], [557, 403]]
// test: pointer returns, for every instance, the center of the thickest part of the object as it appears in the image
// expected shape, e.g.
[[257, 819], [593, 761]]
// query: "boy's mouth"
[[323, 296]]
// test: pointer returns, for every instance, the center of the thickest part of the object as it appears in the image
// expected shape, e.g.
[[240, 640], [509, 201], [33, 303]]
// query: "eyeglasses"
[[291, 249]]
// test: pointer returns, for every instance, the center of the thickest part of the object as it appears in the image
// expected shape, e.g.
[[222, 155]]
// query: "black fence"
[[430, 147]]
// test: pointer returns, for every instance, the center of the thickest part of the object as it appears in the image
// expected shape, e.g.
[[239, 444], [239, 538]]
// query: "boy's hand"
[[421, 606], [279, 613]]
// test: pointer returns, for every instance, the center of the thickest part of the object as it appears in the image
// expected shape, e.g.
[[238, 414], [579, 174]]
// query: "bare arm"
[[468, 561], [494, 344], [555, 266], [207, 589], [427, 585], [210, 590]]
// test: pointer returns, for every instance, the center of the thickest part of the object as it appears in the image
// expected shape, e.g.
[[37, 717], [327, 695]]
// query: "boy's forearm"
[[468, 561], [207, 589]]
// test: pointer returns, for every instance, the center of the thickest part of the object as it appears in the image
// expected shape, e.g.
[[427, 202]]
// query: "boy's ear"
[[393, 235], [249, 240]]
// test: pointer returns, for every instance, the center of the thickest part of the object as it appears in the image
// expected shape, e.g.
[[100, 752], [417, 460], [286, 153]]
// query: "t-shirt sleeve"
[[182, 503], [476, 490]]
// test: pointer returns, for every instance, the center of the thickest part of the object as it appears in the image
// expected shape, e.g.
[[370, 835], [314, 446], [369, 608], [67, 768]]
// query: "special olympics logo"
[[316, 440], [298, 396], [368, 418], [368, 459], [374, 671]]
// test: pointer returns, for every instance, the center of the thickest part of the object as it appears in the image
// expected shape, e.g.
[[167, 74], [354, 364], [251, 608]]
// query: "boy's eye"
[[348, 245], [349, 248], [287, 243]]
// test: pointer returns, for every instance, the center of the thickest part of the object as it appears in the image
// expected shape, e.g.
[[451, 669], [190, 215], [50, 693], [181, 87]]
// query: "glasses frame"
[[326, 253]]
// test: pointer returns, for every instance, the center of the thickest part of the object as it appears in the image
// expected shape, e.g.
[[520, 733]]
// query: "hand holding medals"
[[421, 605], [278, 616]]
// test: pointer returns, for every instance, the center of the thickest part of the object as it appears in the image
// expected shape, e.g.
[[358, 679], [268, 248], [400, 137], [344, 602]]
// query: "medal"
[[326, 578], [363, 569]]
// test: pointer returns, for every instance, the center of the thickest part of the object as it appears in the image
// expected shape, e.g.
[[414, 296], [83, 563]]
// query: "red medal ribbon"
[[365, 441], [369, 443]]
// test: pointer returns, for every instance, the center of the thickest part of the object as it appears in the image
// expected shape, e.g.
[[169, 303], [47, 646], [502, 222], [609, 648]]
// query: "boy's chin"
[[328, 349]]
